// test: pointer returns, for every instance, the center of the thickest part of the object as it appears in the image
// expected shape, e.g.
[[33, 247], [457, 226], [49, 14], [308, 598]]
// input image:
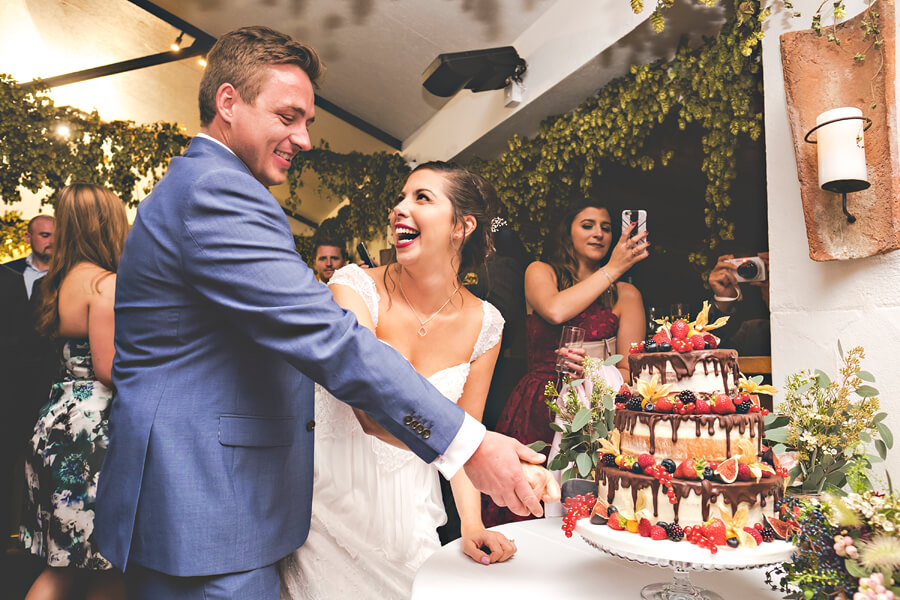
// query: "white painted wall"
[[814, 304]]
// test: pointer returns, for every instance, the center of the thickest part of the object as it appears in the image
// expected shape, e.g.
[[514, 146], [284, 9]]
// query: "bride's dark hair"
[[472, 196]]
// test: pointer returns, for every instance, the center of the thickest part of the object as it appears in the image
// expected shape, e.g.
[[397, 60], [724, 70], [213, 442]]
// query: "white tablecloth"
[[550, 566]]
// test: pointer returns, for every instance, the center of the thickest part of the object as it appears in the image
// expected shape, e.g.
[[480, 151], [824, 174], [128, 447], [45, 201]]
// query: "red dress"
[[526, 416]]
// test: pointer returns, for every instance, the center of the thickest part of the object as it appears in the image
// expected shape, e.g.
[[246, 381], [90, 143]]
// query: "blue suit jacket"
[[221, 330]]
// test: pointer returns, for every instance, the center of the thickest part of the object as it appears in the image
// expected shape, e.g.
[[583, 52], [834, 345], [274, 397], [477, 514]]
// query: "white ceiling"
[[375, 50]]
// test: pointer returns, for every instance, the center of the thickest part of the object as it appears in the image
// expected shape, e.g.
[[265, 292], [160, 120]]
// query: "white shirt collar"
[[209, 137]]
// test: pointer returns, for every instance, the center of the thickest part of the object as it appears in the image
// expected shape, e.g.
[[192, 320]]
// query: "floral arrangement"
[[847, 547], [825, 426], [584, 411]]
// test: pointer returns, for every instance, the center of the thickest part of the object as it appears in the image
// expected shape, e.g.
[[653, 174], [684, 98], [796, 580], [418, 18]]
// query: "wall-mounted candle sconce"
[[841, 152]]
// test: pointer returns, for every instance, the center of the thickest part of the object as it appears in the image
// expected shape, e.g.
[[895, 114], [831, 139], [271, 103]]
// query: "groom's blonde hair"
[[240, 57]]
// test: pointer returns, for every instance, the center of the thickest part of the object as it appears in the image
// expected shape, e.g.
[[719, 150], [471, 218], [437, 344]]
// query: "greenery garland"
[[35, 157], [370, 182]]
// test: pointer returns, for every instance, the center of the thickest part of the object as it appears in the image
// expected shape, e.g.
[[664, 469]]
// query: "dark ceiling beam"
[[297, 217], [198, 48], [164, 15]]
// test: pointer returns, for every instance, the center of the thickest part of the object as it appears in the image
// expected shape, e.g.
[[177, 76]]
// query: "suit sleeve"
[[239, 254]]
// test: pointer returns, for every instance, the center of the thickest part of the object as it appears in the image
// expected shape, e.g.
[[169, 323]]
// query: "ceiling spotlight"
[[201, 61], [176, 45]]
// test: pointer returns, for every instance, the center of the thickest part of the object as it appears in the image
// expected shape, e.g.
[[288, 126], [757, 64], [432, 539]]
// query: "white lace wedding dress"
[[375, 507]]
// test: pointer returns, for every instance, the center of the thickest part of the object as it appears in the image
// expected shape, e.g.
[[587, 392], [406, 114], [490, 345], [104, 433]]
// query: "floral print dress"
[[67, 450]]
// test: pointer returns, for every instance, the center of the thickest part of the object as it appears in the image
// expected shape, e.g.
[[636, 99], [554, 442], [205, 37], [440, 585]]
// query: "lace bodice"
[[336, 418]]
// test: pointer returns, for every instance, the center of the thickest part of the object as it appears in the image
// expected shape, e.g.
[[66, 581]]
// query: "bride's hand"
[[501, 548], [542, 482]]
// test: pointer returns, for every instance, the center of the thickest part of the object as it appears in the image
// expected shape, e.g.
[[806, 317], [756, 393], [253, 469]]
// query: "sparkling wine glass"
[[571, 337]]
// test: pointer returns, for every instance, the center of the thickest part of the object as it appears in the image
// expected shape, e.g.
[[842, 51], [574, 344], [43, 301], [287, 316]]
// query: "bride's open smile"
[[422, 221]]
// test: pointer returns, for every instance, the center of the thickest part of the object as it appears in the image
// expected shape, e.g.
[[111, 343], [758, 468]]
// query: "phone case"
[[641, 220]]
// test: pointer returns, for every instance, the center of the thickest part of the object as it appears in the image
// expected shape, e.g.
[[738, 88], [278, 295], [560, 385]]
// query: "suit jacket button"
[[426, 434], [407, 419], [311, 425]]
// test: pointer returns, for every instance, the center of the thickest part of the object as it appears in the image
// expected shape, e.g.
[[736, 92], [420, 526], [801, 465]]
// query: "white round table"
[[550, 565]]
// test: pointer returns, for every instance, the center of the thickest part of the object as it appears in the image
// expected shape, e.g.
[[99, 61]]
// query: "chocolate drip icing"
[[751, 492], [627, 420], [723, 362]]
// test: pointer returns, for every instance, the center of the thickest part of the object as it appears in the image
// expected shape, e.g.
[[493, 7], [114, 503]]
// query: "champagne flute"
[[571, 337]]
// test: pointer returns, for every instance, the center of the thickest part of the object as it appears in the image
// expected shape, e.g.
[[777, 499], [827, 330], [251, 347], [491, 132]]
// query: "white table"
[[549, 565]]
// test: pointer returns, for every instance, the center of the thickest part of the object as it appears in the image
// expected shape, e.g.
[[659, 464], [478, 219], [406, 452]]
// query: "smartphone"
[[364, 255], [634, 216]]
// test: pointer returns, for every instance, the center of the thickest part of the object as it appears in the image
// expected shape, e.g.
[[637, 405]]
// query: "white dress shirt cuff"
[[468, 438]]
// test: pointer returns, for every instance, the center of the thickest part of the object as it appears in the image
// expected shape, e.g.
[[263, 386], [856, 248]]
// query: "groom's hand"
[[495, 469]]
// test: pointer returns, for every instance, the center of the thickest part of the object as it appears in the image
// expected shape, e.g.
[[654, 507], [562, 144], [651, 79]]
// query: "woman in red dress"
[[578, 286]]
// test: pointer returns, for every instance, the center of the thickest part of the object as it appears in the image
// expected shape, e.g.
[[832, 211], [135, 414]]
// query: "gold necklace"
[[421, 330]]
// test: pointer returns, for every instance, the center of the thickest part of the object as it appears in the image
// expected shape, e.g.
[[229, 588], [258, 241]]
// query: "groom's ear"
[[226, 98]]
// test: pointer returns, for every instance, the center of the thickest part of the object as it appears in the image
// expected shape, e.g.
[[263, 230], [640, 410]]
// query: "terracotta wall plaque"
[[818, 76]]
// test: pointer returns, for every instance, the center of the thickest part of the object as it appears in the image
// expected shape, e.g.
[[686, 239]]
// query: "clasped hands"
[[512, 475]]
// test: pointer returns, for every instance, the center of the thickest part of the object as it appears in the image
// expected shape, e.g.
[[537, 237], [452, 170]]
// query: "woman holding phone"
[[577, 286]]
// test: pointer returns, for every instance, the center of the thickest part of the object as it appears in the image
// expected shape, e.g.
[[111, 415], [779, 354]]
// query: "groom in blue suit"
[[221, 330]]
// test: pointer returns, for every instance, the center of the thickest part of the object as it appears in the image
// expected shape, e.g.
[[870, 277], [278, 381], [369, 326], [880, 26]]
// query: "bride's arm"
[[467, 498], [349, 299]]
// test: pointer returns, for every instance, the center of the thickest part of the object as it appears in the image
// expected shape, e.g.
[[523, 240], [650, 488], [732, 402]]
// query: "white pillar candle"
[[842, 153]]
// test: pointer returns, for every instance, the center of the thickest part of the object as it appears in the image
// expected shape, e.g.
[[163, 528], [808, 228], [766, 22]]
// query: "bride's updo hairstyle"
[[471, 196]]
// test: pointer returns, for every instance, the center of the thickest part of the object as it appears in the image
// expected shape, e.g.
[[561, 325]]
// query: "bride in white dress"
[[376, 507]]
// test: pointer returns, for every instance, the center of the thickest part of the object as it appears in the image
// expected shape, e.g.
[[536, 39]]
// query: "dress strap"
[[359, 281], [491, 330]]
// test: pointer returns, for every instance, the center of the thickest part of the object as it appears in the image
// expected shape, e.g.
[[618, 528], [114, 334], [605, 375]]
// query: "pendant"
[[422, 331]]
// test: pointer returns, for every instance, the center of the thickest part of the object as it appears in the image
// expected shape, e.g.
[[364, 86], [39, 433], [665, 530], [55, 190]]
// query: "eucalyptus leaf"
[[879, 418], [556, 428], [865, 437], [805, 387], [757, 379], [854, 568], [559, 462], [840, 349], [866, 376], [773, 421], [777, 435], [538, 445], [582, 418], [567, 475], [881, 448], [576, 383], [612, 360], [822, 379], [608, 401], [886, 435], [874, 459], [866, 391], [583, 461], [779, 448]]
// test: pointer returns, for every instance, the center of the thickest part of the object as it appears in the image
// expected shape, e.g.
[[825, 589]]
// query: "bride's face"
[[422, 221]]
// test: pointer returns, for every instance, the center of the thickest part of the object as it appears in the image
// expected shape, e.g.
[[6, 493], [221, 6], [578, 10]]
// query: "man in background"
[[331, 255], [35, 265]]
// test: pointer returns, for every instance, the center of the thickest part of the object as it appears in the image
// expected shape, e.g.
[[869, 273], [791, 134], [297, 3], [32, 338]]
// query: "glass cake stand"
[[681, 557]]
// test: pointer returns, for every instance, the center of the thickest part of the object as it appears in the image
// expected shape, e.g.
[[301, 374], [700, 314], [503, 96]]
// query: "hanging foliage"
[[14, 228], [370, 182], [35, 155]]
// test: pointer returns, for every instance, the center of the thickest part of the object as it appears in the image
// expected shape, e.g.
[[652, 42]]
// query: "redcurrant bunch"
[[664, 478], [577, 507], [695, 536]]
